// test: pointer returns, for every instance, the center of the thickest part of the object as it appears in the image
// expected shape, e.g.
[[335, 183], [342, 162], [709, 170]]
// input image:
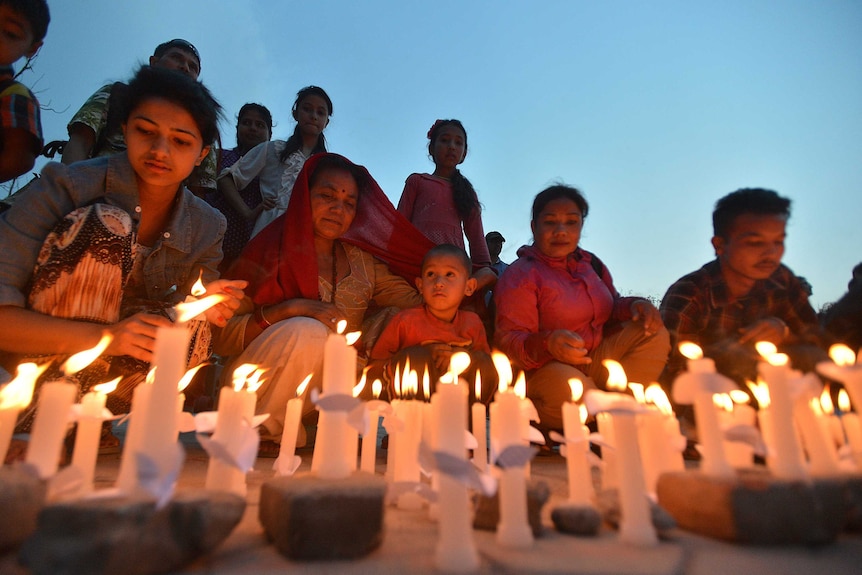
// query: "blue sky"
[[654, 109]]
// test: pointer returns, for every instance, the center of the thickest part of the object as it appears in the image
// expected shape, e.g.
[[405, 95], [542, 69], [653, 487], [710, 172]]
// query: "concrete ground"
[[410, 539]]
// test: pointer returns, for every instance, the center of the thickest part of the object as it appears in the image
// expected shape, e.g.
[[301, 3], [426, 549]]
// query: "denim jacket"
[[190, 242]]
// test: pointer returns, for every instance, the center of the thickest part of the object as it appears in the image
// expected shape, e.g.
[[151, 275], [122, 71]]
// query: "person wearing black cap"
[[95, 129], [495, 242]]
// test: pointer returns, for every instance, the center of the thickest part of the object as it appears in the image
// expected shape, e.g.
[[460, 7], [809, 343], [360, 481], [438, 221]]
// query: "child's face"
[[312, 115], [450, 147], [16, 36], [251, 129], [163, 143], [443, 284]]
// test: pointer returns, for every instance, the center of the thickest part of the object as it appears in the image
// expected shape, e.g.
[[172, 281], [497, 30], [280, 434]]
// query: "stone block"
[[125, 534], [853, 497], [577, 519], [754, 507], [22, 495], [487, 513], [308, 518]]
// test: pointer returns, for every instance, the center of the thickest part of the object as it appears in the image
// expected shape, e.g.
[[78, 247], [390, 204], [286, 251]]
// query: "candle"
[[15, 396], [697, 386], [368, 461], [822, 456], [852, 427], [513, 530], [334, 454], [581, 491], [456, 550], [127, 479], [787, 461], [89, 432], [846, 367], [479, 417], [674, 442], [406, 458], [830, 419], [738, 454]]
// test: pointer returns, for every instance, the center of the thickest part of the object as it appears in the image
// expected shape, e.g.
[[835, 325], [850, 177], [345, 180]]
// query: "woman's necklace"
[[334, 276]]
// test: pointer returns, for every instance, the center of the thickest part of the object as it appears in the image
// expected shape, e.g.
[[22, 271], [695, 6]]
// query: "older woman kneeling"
[[559, 315]]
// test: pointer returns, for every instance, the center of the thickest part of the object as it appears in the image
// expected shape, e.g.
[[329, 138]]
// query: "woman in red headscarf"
[[340, 245]]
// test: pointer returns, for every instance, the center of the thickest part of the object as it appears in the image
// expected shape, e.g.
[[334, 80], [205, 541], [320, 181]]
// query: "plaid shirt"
[[697, 308], [19, 108]]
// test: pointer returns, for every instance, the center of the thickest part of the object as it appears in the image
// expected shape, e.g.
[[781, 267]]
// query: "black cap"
[[494, 236]]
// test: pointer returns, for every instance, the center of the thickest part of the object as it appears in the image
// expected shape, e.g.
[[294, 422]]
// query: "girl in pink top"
[[444, 205]]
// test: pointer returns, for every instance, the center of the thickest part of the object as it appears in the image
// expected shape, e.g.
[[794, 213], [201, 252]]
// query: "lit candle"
[[635, 522], [787, 460], [368, 461], [852, 427], [478, 414], [52, 412], [333, 458], [697, 386], [846, 367], [830, 419], [89, 432], [738, 454], [581, 491], [822, 456], [674, 443], [513, 530], [127, 479], [15, 396], [406, 462], [456, 550]]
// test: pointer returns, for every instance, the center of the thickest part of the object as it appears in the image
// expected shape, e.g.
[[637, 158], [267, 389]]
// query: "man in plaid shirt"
[[745, 295]]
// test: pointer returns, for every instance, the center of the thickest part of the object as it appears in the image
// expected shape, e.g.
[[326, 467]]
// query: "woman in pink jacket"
[[559, 315]]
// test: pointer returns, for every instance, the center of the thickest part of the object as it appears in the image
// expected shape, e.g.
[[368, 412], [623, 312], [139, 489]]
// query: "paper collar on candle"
[[160, 482], [76, 415], [515, 456], [239, 454], [458, 468], [357, 415], [205, 421], [838, 372], [688, 385], [747, 434], [611, 402]]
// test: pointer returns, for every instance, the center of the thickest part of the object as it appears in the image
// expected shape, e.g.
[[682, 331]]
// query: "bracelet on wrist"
[[260, 319]]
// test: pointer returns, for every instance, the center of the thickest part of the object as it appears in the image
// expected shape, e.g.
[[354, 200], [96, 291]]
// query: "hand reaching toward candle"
[[220, 313], [644, 311], [767, 329], [135, 336], [441, 353], [568, 347]]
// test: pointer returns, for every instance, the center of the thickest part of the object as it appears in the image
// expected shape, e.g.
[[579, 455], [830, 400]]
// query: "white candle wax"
[[430, 417], [87, 437], [604, 421], [456, 550], [787, 462], [406, 464], [169, 358], [335, 446], [673, 457], [8, 419], [49, 426], [127, 478], [513, 530], [653, 440], [822, 456], [581, 490], [853, 429], [480, 455], [222, 476], [635, 522], [392, 449], [713, 458]]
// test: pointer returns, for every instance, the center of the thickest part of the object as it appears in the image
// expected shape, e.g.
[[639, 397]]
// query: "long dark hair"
[[294, 142], [463, 193]]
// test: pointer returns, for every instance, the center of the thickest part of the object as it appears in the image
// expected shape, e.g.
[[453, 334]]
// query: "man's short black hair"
[[451, 250], [758, 201]]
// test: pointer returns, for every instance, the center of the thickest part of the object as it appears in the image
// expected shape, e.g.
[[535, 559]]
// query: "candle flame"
[[739, 396], [826, 401], [241, 374], [778, 359], [108, 386], [458, 363], [760, 391], [815, 406], [447, 378], [690, 350], [255, 380], [341, 326], [426, 384], [151, 375], [842, 355], [198, 288], [18, 393], [477, 387], [638, 392], [583, 413], [82, 359], [766, 349], [187, 378], [376, 388], [843, 401], [302, 386], [655, 394], [521, 386], [397, 381], [577, 387], [412, 383], [353, 337], [723, 401], [616, 375], [357, 389], [504, 370], [190, 310]]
